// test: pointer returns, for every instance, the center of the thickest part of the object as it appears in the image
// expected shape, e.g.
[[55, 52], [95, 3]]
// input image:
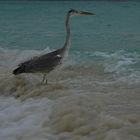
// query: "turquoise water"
[[37, 25], [95, 95]]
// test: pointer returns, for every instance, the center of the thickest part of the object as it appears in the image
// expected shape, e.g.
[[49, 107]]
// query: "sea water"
[[96, 93]]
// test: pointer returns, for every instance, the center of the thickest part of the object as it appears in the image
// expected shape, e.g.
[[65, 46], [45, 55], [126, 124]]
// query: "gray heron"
[[48, 62]]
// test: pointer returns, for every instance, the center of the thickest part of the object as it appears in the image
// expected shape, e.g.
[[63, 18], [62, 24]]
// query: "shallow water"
[[95, 95]]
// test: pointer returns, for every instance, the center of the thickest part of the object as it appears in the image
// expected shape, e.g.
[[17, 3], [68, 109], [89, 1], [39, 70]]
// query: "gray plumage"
[[38, 64], [47, 62]]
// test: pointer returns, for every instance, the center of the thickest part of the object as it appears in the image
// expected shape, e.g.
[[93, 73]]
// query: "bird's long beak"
[[85, 13]]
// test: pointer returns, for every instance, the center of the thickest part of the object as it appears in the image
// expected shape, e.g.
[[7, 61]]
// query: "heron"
[[48, 62]]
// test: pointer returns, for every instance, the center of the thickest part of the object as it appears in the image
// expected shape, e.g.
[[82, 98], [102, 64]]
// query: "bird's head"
[[74, 12]]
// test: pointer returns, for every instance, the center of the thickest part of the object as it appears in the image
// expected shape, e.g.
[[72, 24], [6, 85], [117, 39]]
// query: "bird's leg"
[[44, 80]]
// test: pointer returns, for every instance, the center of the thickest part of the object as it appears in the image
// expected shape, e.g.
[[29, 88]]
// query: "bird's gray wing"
[[44, 63]]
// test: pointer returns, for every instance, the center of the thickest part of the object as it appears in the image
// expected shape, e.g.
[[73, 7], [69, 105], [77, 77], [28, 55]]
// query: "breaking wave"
[[119, 68], [94, 96]]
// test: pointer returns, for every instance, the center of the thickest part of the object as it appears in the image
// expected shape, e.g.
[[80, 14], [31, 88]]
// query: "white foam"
[[23, 119], [69, 108], [78, 116], [118, 61]]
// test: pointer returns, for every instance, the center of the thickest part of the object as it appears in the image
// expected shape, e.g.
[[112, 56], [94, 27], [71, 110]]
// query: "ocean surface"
[[96, 93]]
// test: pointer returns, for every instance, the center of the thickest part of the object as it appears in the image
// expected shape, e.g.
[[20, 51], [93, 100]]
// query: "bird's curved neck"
[[67, 41]]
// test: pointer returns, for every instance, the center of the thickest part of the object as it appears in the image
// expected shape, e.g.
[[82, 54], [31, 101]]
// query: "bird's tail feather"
[[19, 70]]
